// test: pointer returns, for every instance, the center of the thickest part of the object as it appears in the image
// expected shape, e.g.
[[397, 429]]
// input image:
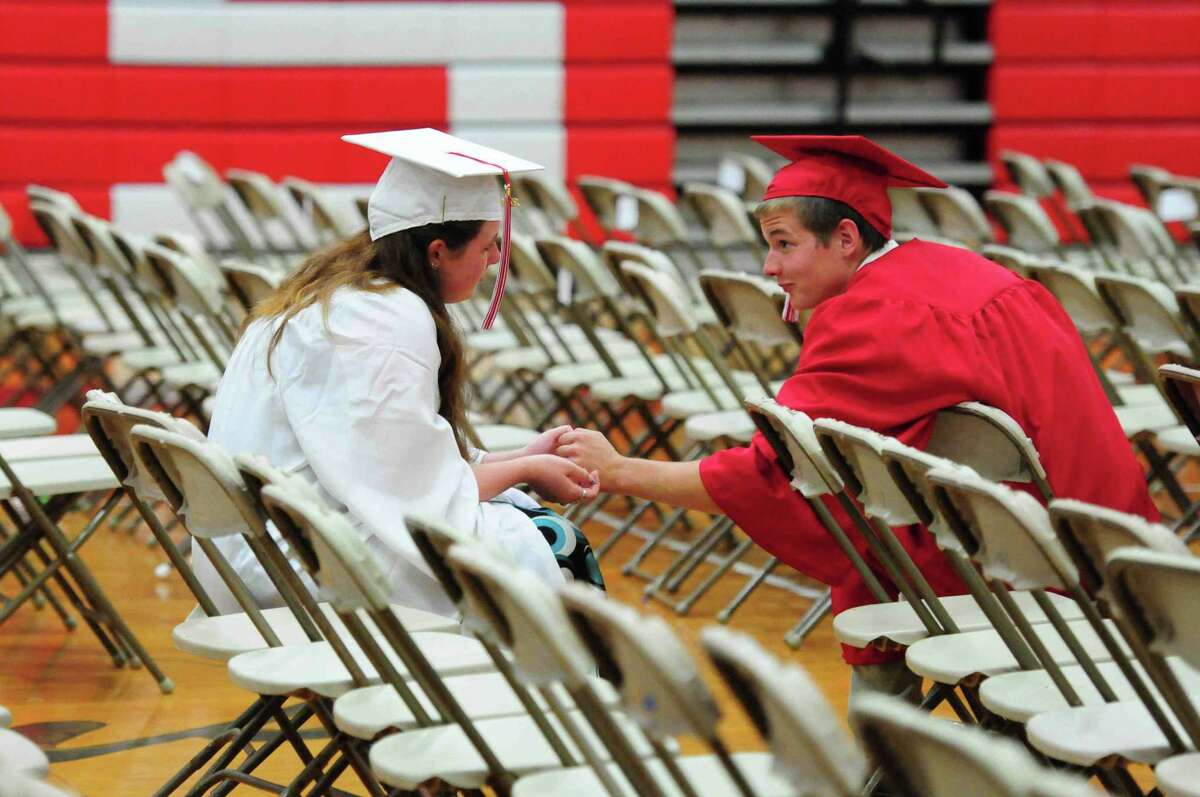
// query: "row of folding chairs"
[[513, 703], [1129, 326], [1038, 633], [1107, 235]]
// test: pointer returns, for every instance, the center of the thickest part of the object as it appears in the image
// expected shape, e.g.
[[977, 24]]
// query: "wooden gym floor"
[[110, 732]]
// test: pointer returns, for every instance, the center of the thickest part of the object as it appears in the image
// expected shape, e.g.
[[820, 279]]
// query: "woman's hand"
[[591, 450], [546, 442], [559, 479]]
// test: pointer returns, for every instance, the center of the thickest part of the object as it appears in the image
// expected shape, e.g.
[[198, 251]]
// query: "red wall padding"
[[1118, 92], [1133, 30], [70, 119], [1099, 84]]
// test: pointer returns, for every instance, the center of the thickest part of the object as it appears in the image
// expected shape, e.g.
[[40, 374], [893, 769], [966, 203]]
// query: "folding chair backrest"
[[909, 215], [532, 273], [578, 259], [1071, 183], [723, 214], [1156, 593], [1009, 531], [791, 435], [658, 681], [199, 480], [1181, 386], [988, 441], [96, 233], [659, 221], [1075, 290], [1149, 313], [856, 454], [195, 285], [195, 181], [55, 221], [1150, 181], [1024, 221], [1090, 533], [748, 307], [258, 193], [250, 283], [615, 252], [52, 196], [434, 539], [908, 467], [330, 221], [666, 297], [549, 194], [525, 616], [957, 215], [109, 422], [600, 194], [792, 715], [1028, 173], [755, 174], [329, 547], [923, 756], [1012, 259]]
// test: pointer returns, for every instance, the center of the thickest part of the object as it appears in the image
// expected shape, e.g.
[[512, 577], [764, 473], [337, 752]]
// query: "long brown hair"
[[400, 259]]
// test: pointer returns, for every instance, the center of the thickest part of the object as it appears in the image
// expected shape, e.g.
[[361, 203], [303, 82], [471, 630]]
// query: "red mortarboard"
[[850, 169]]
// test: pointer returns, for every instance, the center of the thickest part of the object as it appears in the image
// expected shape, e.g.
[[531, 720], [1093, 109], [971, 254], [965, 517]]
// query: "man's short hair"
[[821, 216]]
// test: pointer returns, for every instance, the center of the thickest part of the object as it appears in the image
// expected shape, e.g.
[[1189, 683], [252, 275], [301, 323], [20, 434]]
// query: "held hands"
[[559, 479], [590, 449], [546, 442]]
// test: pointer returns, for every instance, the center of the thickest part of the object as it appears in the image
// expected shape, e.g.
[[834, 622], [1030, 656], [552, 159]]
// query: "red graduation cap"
[[850, 169]]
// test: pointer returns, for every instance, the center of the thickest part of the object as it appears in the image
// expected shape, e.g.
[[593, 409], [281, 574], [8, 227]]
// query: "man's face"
[[809, 271]]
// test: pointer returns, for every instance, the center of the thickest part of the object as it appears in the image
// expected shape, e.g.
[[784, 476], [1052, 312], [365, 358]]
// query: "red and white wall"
[[96, 95], [1101, 84]]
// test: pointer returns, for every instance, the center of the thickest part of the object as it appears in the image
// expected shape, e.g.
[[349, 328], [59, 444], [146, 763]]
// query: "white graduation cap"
[[435, 177]]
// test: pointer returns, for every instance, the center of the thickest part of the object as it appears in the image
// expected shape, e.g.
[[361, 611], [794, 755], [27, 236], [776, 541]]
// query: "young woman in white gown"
[[352, 375]]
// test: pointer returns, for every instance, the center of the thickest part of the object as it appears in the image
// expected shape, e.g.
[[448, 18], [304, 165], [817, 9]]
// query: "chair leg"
[[752, 584], [816, 612]]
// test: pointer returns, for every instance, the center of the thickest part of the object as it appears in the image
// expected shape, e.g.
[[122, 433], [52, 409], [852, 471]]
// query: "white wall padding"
[[334, 33], [509, 92]]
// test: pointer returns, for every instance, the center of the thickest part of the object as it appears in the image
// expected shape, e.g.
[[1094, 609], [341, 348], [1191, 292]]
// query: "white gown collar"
[[878, 253]]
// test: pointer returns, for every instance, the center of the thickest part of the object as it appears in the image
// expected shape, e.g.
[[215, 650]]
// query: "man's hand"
[[591, 450], [546, 442], [559, 479]]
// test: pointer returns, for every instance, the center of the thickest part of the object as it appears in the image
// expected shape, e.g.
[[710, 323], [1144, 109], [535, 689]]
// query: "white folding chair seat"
[[47, 447], [315, 666], [201, 374], [736, 425], [638, 381], [862, 626], [19, 754], [1085, 735], [686, 403], [224, 636], [758, 768], [1178, 440], [1179, 776], [1020, 696], [62, 475], [503, 437], [25, 422], [1141, 418], [408, 759], [533, 358], [367, 712]]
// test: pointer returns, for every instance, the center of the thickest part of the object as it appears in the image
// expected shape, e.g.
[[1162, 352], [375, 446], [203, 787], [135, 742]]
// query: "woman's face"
[[460, 272]]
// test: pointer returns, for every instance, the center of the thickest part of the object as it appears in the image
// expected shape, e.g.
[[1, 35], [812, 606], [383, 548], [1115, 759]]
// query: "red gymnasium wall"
[[1099, 84], [98, 94]]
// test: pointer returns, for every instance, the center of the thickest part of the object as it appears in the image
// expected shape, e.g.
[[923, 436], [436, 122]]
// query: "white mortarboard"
[[435, 177]]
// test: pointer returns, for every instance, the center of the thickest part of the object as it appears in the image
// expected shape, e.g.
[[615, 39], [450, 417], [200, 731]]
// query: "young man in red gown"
[[897, 332]]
